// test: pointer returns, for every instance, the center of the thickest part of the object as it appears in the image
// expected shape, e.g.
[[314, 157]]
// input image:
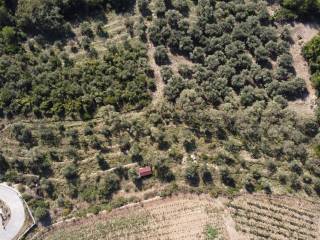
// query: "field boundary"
[[117, 211], [122, 210], [32, 218], [276, 196]]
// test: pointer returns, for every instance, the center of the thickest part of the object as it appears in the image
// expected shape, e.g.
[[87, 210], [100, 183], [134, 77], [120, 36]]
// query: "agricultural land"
[[161, 119]]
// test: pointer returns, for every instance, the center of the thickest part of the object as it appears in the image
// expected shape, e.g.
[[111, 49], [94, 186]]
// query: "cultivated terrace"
[[204, 92]]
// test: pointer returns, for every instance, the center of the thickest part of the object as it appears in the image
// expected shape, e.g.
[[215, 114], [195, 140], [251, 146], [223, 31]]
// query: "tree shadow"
[[46, 221], [123, 6]]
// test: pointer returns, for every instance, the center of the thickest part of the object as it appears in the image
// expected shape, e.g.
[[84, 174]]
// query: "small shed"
[[145, 171]]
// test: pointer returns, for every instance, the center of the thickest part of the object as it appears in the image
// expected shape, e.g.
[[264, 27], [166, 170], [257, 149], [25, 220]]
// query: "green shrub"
[[41, 213], [70, 172], [163, 171], [303, 8], [108, 185], [161, 57], [211, 233], [317, 187], [191, 174], [86, 29]]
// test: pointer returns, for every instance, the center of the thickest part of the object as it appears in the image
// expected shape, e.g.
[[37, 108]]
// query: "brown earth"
[[301, 34], [178, 60], [276, 217], [187, 217], [180, 217]]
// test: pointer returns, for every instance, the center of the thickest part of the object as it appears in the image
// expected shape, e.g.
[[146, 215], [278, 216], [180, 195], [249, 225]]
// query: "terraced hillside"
[[214, 96]]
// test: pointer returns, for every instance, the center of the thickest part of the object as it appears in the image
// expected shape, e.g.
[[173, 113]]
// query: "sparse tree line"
[[266, 130], [311, 53], [51, 17]]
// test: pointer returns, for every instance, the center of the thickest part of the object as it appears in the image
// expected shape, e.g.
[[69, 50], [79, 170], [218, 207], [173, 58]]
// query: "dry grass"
[[190, 216], [263, 217], [301, 34], [184, 217], [160, 85]]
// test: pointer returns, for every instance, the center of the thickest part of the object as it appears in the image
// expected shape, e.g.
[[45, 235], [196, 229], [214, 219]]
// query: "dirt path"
[[68, 123], [97, 173], [177, 60], [230, 226], [158, 94], [301, 34]]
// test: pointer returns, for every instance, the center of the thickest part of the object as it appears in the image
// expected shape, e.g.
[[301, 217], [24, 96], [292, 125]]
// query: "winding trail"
[[301, 34], [159, 93], [18, 215], [101, 172]]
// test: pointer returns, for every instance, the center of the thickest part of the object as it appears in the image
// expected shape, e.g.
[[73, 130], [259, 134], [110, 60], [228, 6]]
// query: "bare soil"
[[158, 94], [301, 34], [181, 217], [273, 8], [178, 60], [276, 217], [186, 216]]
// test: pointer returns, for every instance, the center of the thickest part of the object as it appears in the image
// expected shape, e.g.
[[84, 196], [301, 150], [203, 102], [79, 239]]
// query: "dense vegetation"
[[298, 9], [221, 124], [48, 83], [311, 52]]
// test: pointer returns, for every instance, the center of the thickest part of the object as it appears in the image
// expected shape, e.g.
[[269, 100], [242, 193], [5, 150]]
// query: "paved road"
[[13, 201]]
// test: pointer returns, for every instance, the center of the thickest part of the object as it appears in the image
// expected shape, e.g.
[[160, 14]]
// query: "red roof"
[[145, 171]]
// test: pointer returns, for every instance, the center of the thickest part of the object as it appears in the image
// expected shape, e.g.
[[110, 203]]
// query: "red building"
[[145, 171]]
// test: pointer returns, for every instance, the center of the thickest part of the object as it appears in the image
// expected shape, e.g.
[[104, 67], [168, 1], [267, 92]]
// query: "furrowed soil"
[[276, 217], [245, 217], [182, 217]]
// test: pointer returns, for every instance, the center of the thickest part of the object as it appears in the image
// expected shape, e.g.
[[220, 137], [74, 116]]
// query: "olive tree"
[[161, 56]]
